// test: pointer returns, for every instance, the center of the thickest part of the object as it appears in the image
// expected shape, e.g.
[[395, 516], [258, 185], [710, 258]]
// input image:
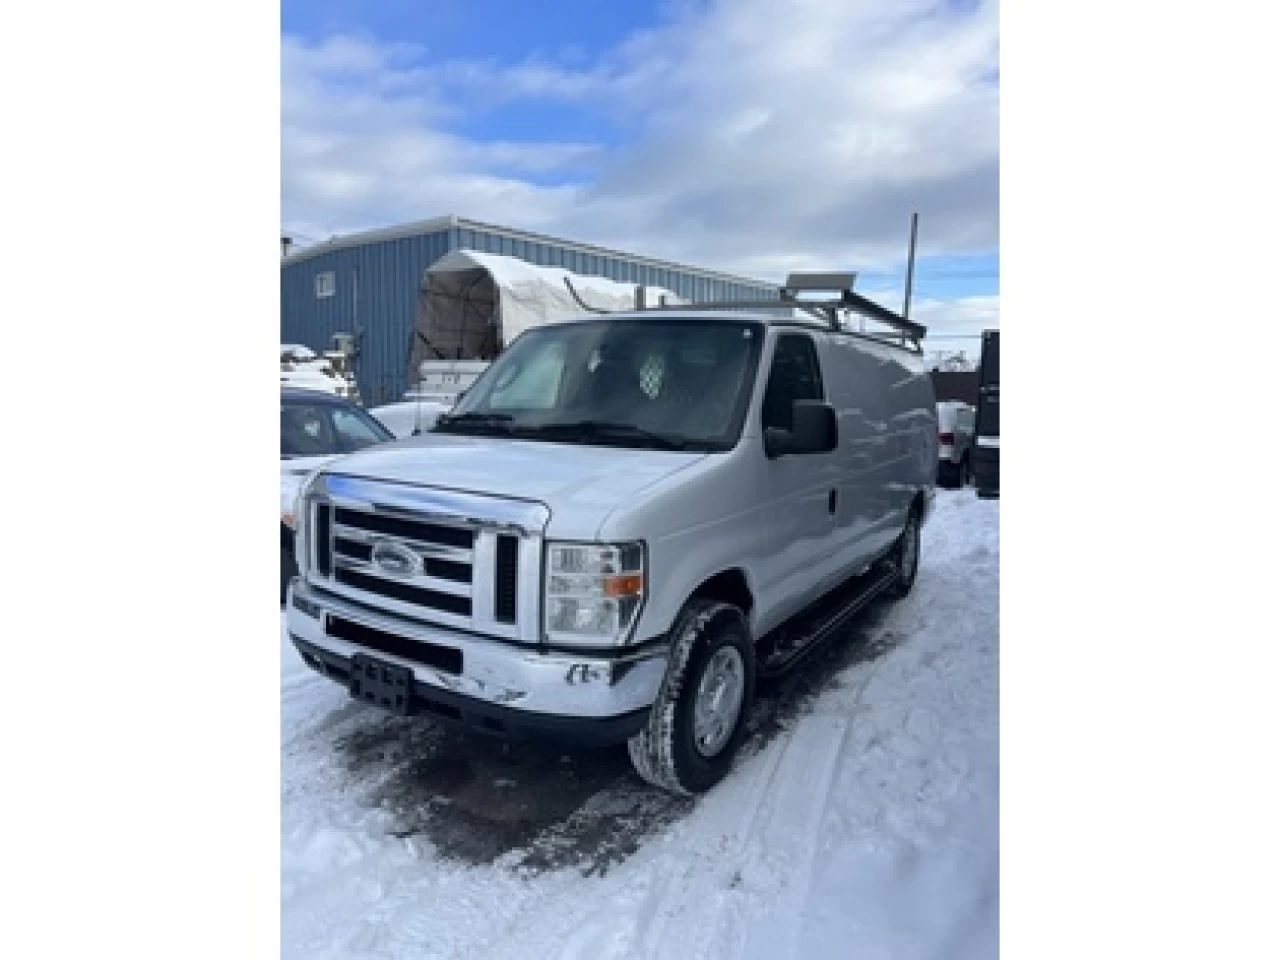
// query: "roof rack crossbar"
[[827, 311]]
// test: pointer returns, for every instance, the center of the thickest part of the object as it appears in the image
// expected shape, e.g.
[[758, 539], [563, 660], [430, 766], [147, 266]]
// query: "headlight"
[[593, 592]]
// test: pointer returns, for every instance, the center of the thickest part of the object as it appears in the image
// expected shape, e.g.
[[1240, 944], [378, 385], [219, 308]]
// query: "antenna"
[[568, 283], [911, 267]]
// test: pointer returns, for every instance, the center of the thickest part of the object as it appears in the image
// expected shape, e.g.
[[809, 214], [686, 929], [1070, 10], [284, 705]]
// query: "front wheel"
[[699, 718]]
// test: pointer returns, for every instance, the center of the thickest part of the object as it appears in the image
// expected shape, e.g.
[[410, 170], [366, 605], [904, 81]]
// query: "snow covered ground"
[[861, 820]]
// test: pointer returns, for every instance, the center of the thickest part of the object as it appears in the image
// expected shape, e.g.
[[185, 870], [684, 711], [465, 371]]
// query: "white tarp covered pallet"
[[472, 304]]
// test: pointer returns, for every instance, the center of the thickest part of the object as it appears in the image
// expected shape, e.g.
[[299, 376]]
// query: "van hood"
[[581, 485]]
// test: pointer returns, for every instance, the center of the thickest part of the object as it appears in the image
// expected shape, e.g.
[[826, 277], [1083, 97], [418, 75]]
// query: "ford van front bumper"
[[505, 689]]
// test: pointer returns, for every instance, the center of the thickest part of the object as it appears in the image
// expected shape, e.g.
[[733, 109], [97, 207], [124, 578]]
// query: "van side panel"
[[894, 402], [854, 381], [911, 441]]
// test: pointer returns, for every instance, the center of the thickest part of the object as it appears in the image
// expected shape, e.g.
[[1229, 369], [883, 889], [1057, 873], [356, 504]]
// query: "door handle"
[[831, 502]]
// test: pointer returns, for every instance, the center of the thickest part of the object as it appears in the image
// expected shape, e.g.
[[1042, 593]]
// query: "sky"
[[750, 136]]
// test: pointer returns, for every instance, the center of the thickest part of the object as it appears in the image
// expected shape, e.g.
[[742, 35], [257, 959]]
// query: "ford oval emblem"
[[395, 559]]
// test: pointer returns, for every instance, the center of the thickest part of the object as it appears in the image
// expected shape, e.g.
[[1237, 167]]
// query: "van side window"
[[795, 375]]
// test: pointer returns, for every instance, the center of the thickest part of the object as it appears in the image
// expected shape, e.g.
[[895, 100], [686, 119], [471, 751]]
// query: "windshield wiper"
[[604, 430], [499, 421]]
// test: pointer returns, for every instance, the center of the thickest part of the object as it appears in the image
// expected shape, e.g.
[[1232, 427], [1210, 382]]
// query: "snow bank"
[[301, 367], [310, 380], [296, 352]]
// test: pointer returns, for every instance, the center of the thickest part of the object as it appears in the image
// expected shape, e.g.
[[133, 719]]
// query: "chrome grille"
[[451, 559], [445, 560]]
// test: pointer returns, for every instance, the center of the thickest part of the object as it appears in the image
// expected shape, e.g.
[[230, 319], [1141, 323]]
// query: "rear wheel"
[[699, 718], [905, 555]]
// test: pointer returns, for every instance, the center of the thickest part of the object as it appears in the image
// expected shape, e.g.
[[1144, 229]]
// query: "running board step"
[[808, 633]]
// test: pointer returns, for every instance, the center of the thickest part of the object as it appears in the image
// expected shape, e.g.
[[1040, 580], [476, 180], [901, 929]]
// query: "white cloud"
[[953, 325], [363, 145], [759, 136]]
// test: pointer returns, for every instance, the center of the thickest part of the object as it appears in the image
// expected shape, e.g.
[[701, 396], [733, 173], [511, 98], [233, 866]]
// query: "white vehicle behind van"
[[956, 427], [409, 418]]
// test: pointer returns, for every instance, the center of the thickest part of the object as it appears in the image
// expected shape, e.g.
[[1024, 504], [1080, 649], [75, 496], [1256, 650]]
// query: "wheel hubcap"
[[718, 701]]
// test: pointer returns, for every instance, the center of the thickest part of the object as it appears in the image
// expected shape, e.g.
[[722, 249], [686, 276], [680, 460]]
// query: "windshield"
[[326, 429], [661, 382]]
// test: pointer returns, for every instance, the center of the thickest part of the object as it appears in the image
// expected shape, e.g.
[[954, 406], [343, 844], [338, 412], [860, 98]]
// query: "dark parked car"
[[315, 428]]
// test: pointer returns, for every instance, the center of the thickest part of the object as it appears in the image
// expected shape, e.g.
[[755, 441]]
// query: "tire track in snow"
[[663, 892], [789, 836], [784, 841], [810, 748], [795, 915], [671, 897], [627, 913], [793, 912], [776, 842]]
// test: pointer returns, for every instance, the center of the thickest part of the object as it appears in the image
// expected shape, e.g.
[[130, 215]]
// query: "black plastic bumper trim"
[[494, 720]]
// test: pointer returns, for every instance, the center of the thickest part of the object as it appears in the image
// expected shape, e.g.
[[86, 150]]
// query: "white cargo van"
[[626, 521]]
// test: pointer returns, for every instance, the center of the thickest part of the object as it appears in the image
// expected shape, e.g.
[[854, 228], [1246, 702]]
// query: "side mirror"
[[813, 430]]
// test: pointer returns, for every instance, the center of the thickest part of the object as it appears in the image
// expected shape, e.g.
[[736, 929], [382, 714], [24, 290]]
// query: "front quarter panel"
[[698, 523]]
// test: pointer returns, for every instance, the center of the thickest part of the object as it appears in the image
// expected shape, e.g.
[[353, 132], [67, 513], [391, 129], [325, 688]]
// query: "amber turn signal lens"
[[626, 585]]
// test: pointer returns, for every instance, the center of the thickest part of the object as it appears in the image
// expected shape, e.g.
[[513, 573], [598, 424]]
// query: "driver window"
[[794, 375]]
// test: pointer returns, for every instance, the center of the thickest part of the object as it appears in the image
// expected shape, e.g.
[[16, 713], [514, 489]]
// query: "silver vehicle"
[[625, 522], [957, 422]]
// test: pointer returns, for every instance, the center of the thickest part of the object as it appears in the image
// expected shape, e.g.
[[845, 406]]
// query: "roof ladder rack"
[[843, 300]]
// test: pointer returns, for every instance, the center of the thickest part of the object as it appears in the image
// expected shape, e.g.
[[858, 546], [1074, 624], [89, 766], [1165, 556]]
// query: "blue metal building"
[[367, 284]]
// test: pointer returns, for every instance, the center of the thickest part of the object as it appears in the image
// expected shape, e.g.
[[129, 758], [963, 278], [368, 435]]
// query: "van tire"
[[905, 555], [664, 752]]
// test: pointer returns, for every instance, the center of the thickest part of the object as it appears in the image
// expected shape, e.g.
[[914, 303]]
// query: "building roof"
[[436, 224]]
